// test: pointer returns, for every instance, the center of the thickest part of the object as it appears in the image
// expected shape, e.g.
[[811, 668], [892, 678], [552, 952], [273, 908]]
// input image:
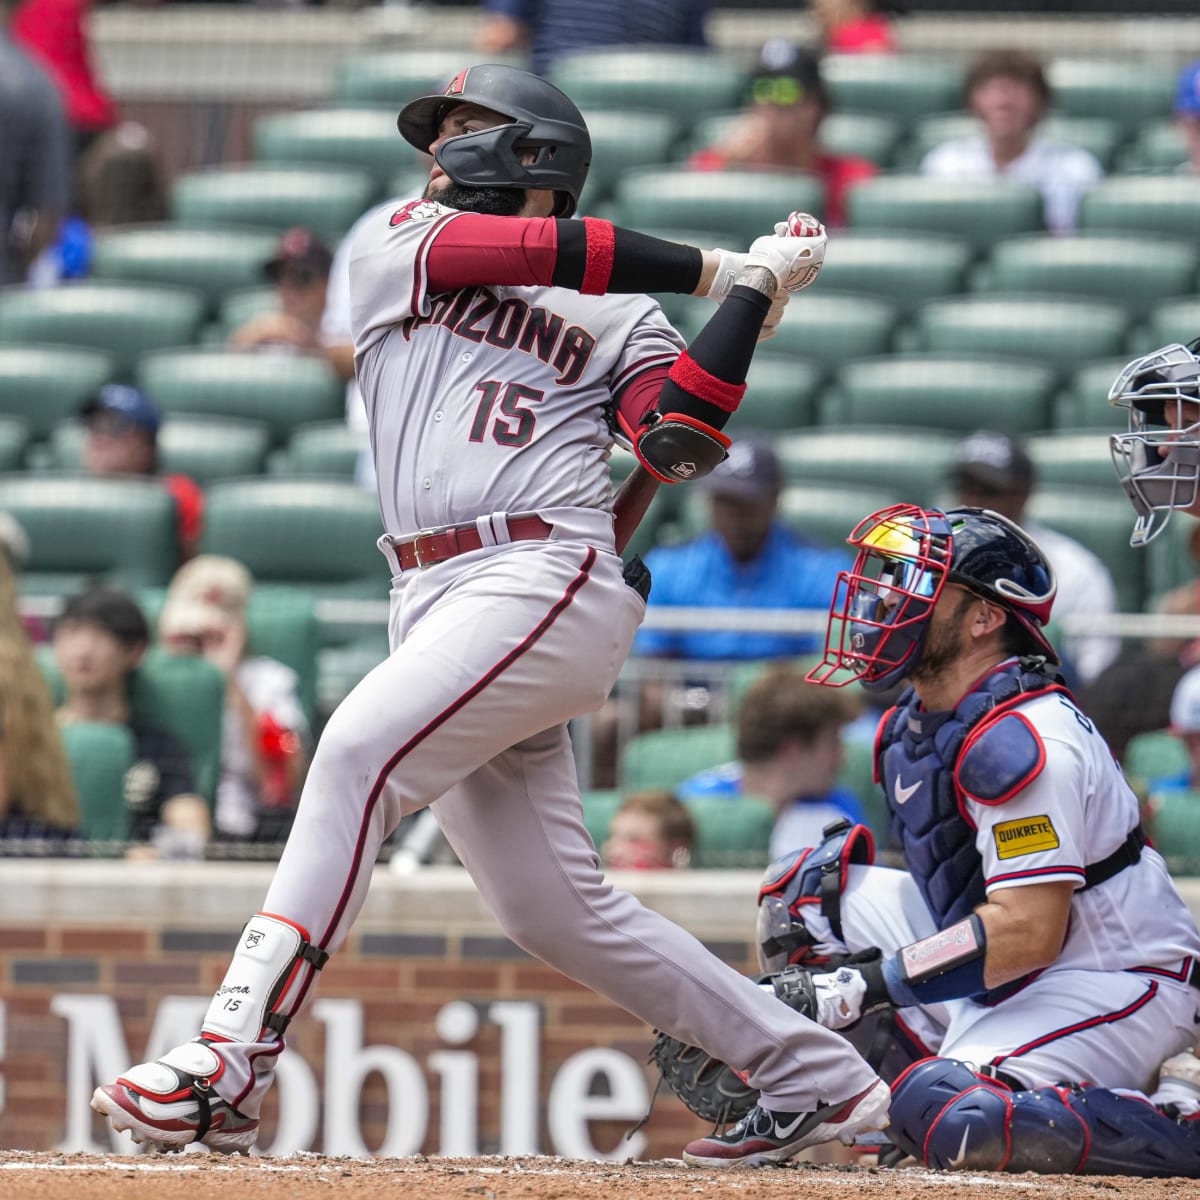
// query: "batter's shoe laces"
[[764, 1137], [169, 1103]]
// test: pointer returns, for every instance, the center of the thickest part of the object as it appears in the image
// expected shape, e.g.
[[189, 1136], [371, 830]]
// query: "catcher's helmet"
[[1158, 459], [543, 121], [906, 555]]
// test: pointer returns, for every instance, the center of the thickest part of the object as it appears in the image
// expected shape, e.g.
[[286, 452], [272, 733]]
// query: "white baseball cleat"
[[169, 1103]]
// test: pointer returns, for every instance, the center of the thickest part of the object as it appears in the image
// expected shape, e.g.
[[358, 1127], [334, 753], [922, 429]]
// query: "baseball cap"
[[207, 591], [1187, 91], [130, 403], [992, 461], [110, 609], [299, 247], [786, 74], [1185, 703], [751, 472]]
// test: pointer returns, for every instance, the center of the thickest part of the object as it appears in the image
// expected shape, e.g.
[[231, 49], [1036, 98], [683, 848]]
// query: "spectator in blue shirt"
[[789, 753], [747, 560]]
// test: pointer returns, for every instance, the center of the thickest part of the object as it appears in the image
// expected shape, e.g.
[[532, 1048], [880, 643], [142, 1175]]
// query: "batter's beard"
[[492, 201]]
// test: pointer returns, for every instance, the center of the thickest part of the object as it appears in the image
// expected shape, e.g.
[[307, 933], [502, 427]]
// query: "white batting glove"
[[794, 253], [839, 997], [729, 266]]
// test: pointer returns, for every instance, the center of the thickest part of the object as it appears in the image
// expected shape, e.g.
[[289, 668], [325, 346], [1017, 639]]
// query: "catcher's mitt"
[[707, 1086]]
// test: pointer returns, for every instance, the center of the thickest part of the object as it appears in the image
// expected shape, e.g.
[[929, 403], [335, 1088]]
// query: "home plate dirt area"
[[197, 1176]]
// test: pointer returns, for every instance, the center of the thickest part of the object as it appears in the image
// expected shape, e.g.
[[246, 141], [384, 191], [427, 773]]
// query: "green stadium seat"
[[910, 463], [982, 212], [1101, 521], [1172, 321], [1175, 829], [1058, 332], [1166, 204], [781, 394], [950, 394], [393, 78], [733, 834], [1070, 459], [280, 390], [363, 138], [1158, 146], [689, 314], [1096, 266], [83, 526], [740, 205], [14, 441], [1122, 90], [904, 86], [907, 270], [238, 307], [1084, 403], [42, 385], [676, 82], [1169, 561], [99, 756], [341, 668], [599, 808], [212, 261], [326, 449], [327, 200], [625, 141], [1155, 755], [1098, 135], [664, 758], [122, 320], [829, 328]]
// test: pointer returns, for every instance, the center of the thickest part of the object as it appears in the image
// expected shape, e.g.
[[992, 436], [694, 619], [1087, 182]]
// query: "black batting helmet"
[[543, 120]]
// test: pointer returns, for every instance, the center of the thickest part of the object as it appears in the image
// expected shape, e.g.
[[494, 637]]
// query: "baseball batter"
[[497, 343], [1036, 938]]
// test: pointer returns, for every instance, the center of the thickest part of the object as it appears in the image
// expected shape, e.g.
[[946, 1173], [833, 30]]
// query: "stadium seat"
[[1166, 204], [677, 82], [740, 205], [204, 448], [42, 385], [280, 390], [212, 261], [99, 755], [1158, 146], [951, 394], [1169, 560], [1171, 321], [1124, 90], [1136, 274], [1101, 521], [911, 463], [341, 668], [1083, 404], [1098, 135], [781, 394], [328, 449], [1071, 459], [625, 141], [1057, 332], [123, 320], [14, 441], [734, 834], [664, 758], [1156, 755], [363, 138], [238, 307], [830, 328], [1175, 828], [327, 200], [599, 808], [83, 526], [689, 314], [904, 86], [982, 212], [393, 78], [907, 270]]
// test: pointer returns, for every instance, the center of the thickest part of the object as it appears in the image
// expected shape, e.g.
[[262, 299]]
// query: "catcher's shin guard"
[[266, 981]]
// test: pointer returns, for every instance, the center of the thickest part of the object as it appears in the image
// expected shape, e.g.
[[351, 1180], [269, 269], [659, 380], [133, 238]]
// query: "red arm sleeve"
[[474, 249], [641, 394]]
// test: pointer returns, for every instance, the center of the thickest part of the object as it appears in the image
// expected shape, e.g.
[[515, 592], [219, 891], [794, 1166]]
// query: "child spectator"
[[651, 831]]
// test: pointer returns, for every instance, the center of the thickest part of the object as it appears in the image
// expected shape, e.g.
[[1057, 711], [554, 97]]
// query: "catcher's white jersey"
[[454, 384]]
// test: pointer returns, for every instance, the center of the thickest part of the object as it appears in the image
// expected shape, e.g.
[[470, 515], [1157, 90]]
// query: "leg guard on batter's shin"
[[266, 981]]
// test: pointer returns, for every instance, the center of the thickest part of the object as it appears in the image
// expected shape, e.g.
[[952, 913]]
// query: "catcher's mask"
[[881, 609], [543, 121], [1158, 459]]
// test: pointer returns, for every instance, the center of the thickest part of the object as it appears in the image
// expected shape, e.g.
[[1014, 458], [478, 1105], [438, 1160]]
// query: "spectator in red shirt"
[[857, 26], [780, 129], [122, 439]]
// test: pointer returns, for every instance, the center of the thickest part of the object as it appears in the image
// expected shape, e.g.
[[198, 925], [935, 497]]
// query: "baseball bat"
[[632, 500]]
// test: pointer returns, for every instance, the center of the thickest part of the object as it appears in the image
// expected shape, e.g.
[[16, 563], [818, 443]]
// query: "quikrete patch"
[[1014, 838]]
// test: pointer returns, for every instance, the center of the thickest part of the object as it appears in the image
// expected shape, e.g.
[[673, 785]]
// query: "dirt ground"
[[197, 1176]]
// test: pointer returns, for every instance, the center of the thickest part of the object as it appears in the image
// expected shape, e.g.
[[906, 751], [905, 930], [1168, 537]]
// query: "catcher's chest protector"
[[917, 757]]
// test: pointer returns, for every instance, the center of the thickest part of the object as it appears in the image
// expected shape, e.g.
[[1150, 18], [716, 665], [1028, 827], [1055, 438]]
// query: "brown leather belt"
[[437, 545]]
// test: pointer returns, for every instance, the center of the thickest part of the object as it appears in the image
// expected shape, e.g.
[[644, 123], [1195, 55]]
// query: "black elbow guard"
[[674, 447]]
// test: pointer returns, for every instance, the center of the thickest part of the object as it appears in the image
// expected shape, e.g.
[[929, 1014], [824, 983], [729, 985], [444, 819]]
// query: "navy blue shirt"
[[788, 573]]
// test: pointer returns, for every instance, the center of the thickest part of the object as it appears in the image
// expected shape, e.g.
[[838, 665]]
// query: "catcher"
[[1036, 941]]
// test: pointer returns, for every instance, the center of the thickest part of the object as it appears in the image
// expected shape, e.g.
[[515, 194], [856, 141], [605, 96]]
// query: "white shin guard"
[[265, 981]]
